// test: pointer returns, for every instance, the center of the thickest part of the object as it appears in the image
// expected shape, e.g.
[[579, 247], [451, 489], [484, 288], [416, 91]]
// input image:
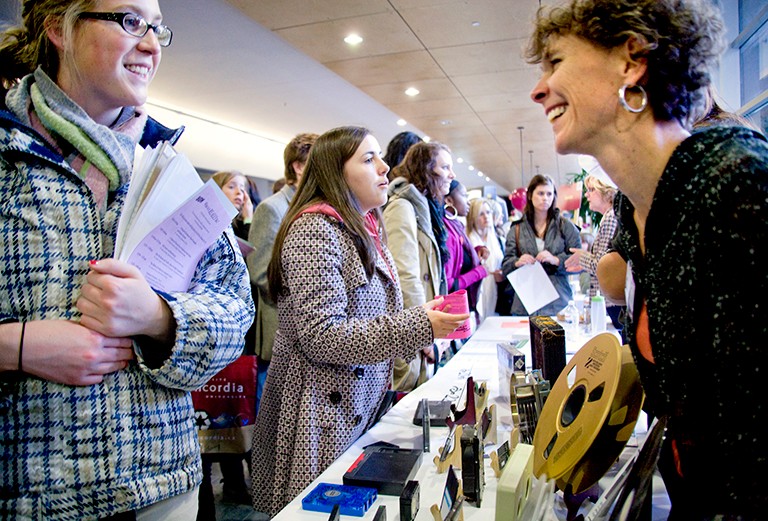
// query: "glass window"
[[754, 65]]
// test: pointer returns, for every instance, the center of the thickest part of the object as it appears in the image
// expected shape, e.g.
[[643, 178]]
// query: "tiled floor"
[[232, 511]]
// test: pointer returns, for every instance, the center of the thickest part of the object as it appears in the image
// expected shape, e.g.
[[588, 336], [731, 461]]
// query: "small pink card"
[[459, 305]]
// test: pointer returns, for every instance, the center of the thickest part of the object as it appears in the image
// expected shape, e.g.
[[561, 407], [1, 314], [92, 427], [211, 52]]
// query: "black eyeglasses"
[[135, 25]]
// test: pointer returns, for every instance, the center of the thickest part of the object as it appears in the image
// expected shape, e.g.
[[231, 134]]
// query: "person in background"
[[397, 148], [96, 367], [341, 319], [464, 269], [501, 220], [544, 236], [237, 188], [623, 82], [266, 221], [482, 233], [278, 185], [600, 196], [242, 193], [413, 218]]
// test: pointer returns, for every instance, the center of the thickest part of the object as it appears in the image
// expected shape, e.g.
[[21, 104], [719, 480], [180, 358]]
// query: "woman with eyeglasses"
[[96, 367]]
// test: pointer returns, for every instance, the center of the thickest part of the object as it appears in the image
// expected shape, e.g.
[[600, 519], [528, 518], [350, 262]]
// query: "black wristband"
[[21, 345]]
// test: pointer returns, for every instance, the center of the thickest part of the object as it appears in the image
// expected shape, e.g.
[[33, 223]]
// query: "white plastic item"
[[571, 315], [598, 314]]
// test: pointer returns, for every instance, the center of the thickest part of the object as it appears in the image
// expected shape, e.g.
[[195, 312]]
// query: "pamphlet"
[[169, 219], [533, 286]]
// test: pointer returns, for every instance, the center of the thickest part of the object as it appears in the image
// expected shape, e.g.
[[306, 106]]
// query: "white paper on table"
[[533, 286], [168, 255]]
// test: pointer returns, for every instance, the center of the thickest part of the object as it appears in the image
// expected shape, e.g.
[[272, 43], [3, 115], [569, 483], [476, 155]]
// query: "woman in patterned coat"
[[341, 319]]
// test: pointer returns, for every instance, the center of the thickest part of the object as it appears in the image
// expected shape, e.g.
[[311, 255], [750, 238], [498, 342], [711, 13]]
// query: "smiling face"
[[366, 174], [103, 68], [578, 91], [444, 170]]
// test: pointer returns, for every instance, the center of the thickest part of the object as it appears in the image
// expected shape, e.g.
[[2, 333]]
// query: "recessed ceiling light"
[[412, 91], [488, 179], [445, 122], [475, 24], [401, 122], [459, 160], [353, 39], [479, 174], [471, 168], [426, 139]]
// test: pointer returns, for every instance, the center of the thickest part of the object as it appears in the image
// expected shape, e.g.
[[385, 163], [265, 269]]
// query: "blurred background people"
[[265, 223], [96, 367], [241, 192], [600, 196], [341, 319], [482, 233], [413, 218], [693, 226], [397, 148], [464, 268], [544, 236]]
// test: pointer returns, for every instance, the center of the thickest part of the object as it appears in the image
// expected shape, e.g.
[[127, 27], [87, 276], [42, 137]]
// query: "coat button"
[[359, 373], [426, 277], [335, 397], [357, 420]]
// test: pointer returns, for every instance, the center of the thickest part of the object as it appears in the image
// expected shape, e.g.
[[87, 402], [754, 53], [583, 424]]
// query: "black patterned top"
[[703, 281]]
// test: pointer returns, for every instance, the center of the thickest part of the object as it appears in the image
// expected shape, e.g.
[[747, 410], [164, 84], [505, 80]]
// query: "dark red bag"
[[225, 408]]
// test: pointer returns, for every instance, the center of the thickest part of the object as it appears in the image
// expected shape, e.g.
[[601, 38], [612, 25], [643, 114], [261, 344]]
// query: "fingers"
[[433, 304], [113, 267]]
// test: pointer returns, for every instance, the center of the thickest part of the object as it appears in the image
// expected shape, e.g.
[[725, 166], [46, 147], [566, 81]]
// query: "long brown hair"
[[323, 182]]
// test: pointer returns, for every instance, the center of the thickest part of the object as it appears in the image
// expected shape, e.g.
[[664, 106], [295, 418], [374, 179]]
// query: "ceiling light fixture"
[[459, 160], [475, 24], [426, 139], [488, 179], [353, 39], [479, 174], [401, 123], [412, 91], [522, 173], [471, 168]]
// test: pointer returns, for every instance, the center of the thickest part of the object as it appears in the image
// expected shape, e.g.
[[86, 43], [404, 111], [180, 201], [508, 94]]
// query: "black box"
[[384, 468], [547, 347]]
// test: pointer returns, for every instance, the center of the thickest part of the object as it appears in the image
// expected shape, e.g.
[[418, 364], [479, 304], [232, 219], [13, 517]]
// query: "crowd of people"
[[335, 281]]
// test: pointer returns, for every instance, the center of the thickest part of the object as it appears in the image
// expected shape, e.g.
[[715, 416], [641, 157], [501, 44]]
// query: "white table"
[[477, 358]]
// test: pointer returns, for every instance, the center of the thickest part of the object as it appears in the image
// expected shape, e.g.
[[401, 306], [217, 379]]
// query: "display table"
[[477, 358]]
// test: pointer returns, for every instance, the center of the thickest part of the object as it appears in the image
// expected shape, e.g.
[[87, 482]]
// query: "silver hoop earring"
[[452, 214], [625, 103]]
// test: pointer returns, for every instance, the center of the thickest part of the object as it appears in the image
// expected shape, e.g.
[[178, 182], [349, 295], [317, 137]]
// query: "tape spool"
[[584, 425]]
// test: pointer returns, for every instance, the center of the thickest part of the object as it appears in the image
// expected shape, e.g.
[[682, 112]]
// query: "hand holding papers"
[[169, 219], [533, 286]]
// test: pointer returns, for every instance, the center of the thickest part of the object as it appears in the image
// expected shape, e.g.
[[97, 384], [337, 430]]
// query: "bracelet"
[[21, 344]]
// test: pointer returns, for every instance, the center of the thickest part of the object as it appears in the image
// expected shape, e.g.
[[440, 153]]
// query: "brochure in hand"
[[169, 218]]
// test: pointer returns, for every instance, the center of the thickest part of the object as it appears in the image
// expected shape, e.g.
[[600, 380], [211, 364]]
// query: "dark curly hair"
[[680, 39]]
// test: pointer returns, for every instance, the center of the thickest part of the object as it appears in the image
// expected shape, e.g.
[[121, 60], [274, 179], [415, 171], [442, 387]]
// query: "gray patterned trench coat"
[[332, 360]]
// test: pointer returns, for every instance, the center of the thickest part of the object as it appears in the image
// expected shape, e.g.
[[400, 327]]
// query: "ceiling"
[[245, 76], [464, 56]]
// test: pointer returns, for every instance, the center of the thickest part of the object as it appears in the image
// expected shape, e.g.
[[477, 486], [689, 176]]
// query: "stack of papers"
[[169, 218]]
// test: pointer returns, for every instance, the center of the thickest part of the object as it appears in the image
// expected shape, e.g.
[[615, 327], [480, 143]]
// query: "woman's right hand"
[[524, 259], [65, 352], [443, 324]]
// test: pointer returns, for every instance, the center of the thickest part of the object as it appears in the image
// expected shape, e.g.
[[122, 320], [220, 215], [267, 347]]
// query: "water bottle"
[[598, 314], [571, 314]]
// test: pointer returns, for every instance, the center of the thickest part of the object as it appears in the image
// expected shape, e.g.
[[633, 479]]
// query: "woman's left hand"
[[246, 212], [117, 301], [483, 252], [545, 257]]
